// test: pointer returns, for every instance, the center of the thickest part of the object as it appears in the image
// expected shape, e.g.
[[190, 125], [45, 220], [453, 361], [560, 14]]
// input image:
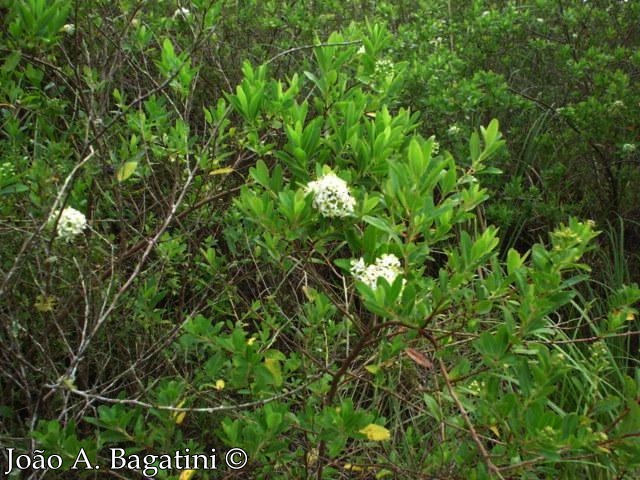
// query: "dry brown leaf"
[[418, 357]]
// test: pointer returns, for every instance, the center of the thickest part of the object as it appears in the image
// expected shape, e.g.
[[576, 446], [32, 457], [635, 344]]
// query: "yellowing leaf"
[[312, 456], [179, 416], [221, 171], [45, 303], [372, 369], [384, 473], [126, 170], [377, 433], [353, 468], [630, 316], [310, 293], [187, 474], [273, 365], [219, 385], [495, 430], [68, 383]]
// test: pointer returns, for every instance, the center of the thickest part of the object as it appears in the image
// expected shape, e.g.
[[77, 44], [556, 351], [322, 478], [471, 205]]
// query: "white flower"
[[70, 223], [331, 196], [387, 266], [358, 268], [361, 50], [69, 28], [182, 12], [453, 130]]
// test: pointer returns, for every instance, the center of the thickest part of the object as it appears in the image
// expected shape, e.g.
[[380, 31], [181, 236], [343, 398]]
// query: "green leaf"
[[432, 405], [11, 62], [13, 188], [474, 146], [382, 224], [168, 54], [490, 134], [416, 156], [493, 346], [514, 261]]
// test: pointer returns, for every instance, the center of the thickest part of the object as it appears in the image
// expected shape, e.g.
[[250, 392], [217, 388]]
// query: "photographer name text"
[[148, 465]]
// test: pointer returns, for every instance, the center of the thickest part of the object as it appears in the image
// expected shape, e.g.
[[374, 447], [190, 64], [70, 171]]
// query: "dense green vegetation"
[[392, 239]]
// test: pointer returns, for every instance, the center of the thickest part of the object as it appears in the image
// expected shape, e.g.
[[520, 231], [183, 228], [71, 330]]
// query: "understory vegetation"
[[355, 240]]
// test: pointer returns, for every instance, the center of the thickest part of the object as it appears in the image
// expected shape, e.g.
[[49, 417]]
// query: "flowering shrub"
[[331, 196], [213, 305]]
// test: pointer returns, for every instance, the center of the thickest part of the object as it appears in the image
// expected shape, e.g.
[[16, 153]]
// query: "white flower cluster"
[[453, 130], [182, 12], [387, 266], [70, 224], [384, 67], [628, 148], [331, 196], [7, 169], [69, 28]]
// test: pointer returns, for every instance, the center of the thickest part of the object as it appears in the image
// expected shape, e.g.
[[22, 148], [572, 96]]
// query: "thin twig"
[[171, 408], [309, 47], [472, 430]]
